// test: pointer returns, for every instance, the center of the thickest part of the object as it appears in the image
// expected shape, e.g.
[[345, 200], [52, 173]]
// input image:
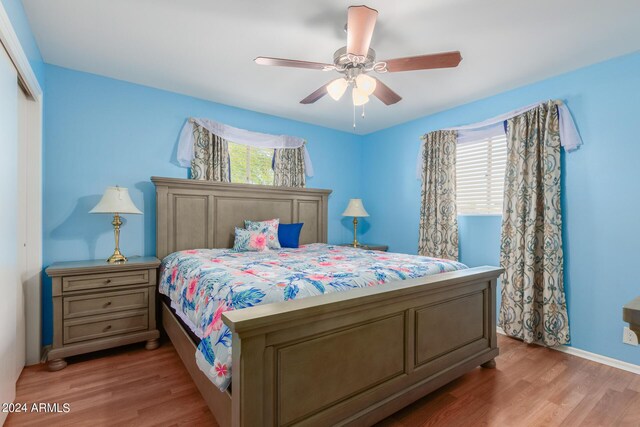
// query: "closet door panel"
[[24, 176], [8, 221]]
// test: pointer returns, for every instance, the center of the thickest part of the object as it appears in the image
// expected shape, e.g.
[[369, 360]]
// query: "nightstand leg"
[[491, 364], [56, 365], [152, 344]]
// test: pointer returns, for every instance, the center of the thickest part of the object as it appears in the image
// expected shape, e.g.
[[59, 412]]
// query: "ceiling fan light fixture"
[[365, 83], [355, 60], [359, 97], [336, 88]]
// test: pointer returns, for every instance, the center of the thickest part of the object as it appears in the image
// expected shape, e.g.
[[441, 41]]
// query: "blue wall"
[[600, 194], [102, 132], [21, 25]]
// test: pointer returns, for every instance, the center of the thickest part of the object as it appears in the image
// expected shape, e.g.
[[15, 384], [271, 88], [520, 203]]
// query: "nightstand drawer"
[[92, 281], [90, 328], [108, 302]]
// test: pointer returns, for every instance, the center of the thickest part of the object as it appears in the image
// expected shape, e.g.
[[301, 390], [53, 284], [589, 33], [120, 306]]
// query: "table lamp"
[[116, 201], [356, 210]]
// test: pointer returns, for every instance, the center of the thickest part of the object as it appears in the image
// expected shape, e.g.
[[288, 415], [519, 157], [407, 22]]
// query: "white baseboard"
[[604, 360]]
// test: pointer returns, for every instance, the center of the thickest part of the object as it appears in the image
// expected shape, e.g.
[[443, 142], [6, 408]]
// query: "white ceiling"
[[205, 48]]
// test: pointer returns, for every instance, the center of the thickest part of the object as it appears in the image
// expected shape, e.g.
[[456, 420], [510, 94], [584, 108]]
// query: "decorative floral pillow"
[[247, 240], [269, 228]]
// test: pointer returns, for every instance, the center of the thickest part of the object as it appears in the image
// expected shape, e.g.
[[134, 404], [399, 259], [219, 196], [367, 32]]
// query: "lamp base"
[[117, 258], [355, 232]]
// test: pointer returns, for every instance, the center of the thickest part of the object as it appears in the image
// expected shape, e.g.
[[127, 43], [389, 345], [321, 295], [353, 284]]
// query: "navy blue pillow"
[[289, 235]]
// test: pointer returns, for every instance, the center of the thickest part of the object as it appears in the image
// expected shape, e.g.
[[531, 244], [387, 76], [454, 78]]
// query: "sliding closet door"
[[30, 227], [22, 226], [9, 224]]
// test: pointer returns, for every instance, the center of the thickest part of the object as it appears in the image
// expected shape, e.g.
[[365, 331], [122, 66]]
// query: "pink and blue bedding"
[[204, 283]]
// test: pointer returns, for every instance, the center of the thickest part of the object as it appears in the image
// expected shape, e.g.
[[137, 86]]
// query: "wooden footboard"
[[354, 358]]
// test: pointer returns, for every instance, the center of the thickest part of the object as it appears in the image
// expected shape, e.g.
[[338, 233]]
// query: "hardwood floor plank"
[[609, 407], [553, 414], [469, 410], [531, 386], [601, 382], [428, 405], [631, 416], [635, 384]]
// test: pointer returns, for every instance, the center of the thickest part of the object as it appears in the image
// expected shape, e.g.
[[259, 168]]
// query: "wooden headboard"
[[201, 214]]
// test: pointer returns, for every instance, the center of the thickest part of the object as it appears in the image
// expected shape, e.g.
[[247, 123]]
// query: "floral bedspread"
[[204, 283]]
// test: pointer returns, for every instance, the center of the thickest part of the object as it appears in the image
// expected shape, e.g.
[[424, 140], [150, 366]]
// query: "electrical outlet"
[[629, 337]]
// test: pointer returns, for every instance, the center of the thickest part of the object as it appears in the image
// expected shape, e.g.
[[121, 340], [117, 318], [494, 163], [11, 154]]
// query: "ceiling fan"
[[356, 60]]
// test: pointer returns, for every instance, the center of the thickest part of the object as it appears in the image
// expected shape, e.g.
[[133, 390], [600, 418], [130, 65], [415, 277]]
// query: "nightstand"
[[97, 305], [383, 248]]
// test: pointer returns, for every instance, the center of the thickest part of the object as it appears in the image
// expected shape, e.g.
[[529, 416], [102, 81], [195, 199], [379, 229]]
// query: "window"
[[480, 169], [251, 165]]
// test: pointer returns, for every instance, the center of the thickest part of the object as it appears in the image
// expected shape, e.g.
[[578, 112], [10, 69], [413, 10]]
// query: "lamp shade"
[[365, 83], [337, 88], [116, 200], [355, 208], [359, 97]]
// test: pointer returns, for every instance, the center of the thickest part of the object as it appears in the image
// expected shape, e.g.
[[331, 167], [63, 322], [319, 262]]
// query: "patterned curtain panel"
[[533, 301], [288, 167], [438, 214], [210, 156]]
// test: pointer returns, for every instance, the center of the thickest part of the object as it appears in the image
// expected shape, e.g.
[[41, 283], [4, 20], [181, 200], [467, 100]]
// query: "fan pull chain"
[[363, 111], [354, 116]]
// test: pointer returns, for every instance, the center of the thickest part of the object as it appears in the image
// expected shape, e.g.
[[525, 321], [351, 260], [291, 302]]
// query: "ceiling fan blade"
[[385, 94], [319, 93], [361, 20], [280, 62], [424, 62]]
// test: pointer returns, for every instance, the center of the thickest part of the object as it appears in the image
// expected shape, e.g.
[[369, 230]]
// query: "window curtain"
[[533, 304], [288, 167], [438, 213], [210, 156], [186, 142]]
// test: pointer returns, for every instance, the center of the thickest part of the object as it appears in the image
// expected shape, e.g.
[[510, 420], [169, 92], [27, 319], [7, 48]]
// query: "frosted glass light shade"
[[337, 88], [365, 83], [355, 208], [359, 97], [116, 200]]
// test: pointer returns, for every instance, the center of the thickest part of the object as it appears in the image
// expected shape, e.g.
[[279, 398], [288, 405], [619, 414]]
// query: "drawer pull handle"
[[106, 328], [107, 304], [107, 281]]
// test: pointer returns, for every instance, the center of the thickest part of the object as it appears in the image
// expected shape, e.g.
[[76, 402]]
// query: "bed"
[[340, 358]]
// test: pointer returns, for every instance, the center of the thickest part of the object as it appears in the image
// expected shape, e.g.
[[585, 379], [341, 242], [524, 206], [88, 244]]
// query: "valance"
[[238, 136], [569, 136]]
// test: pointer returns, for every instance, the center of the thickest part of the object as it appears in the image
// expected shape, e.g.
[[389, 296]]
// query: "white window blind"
[[480, 169]]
